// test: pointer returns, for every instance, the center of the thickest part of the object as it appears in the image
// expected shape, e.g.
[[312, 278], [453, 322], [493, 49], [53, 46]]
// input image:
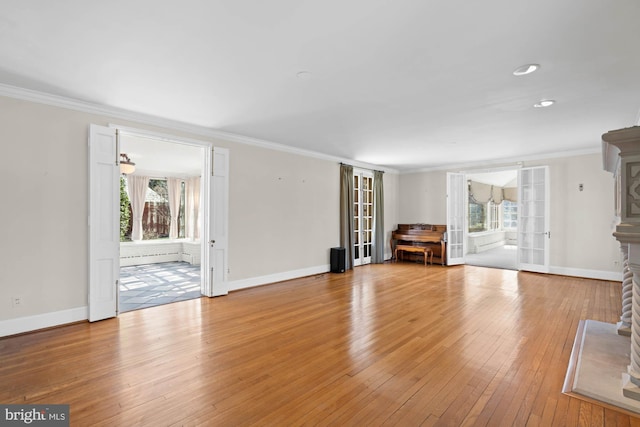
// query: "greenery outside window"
[[477, 216], [156, 219], [484, 216]]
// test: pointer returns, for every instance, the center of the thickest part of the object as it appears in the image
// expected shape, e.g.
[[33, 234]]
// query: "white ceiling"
[[504, 178], [162, 159], [406, 84]]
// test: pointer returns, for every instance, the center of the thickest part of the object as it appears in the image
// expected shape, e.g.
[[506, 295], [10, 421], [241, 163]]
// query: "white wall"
[[582, 222], [283, 209], [423, 198], [43, 251], [283, 213]]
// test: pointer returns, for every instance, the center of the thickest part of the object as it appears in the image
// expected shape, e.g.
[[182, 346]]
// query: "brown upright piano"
[[422, 235]]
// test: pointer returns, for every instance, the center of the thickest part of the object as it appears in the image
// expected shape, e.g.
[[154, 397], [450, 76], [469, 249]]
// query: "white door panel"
[[217, 224], [104, 223], [456, 215]]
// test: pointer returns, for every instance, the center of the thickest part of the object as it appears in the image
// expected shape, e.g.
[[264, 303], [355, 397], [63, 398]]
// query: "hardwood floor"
[[394, 344]]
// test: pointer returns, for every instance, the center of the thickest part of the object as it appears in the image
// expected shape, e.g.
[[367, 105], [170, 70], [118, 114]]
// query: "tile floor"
[[148, 285]]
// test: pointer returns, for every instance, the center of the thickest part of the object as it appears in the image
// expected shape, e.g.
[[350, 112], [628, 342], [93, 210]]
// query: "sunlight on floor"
[[149, 285]]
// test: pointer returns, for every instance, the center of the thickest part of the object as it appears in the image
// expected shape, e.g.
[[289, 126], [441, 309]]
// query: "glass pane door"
[[533, 224], [363, 217], [455, 218]]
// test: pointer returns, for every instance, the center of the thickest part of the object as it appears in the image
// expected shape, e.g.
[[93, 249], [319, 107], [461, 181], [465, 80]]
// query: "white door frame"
[[214, 202], [537, 267], [207, 282]]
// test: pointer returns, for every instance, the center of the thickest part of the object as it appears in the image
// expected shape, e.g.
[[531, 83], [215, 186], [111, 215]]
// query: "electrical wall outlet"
[[16, 301]]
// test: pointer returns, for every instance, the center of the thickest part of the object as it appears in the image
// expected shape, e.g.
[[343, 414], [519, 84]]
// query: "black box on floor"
[[337, 260]]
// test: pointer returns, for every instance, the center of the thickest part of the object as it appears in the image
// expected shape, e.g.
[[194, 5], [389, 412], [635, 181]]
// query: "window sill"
[[484, 233]]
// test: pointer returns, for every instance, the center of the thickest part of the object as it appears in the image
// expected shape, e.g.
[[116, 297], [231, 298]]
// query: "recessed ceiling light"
[[525, 69], [544, 103]]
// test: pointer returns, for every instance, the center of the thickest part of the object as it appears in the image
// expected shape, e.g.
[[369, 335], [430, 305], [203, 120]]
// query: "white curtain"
[[137, 186], [192, 208], [174, 187]]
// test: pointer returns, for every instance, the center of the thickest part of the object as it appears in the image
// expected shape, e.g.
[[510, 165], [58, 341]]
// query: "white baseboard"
[[41, 321], [587, 274], [277, 277]]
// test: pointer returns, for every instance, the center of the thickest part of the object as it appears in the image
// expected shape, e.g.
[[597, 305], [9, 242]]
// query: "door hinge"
[[117, 147]]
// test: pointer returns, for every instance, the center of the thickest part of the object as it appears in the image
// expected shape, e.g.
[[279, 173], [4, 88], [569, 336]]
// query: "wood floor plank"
[[396, 344]]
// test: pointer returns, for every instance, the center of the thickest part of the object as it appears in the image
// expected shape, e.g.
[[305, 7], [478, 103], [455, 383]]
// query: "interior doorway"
[[105, 165], [161, 245], [532, 215], [491, 231]]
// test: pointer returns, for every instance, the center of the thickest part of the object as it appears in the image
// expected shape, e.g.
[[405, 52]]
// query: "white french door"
[[104, 222], [216, 226], [456, 218], [533, 219], [362, 216]]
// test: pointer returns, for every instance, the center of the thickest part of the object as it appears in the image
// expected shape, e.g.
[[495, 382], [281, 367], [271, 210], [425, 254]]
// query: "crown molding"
[[201, 131], [516, 161]]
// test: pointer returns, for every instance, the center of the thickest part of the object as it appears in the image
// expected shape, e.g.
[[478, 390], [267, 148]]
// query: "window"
[[477, 216], [509, 215], [156, 217], [494, 216], [484, 216]]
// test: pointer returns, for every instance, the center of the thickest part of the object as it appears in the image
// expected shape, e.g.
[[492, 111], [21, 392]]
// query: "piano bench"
[[426, 251]]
